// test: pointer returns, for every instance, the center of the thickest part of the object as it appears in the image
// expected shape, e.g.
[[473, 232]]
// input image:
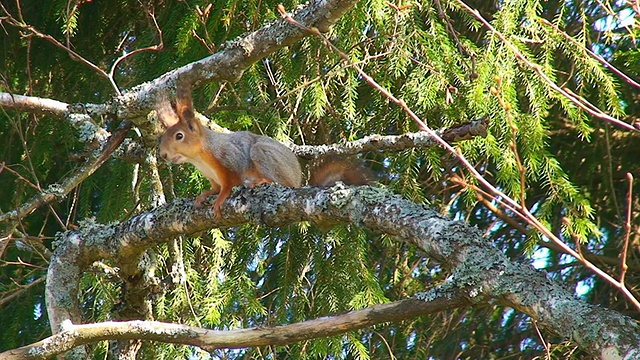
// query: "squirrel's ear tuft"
[[166, 112], [184, 103]]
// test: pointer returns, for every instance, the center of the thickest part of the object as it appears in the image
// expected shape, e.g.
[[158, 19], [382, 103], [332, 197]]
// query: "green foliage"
[[566, 165]]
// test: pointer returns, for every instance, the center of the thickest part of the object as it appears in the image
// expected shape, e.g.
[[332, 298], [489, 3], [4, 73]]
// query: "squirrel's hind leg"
[[274, 162]]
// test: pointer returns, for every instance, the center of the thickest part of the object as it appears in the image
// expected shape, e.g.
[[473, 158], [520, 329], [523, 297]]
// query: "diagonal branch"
[[598, 57], [235, 56], [31, 29], [576, 100], [501, 197], [57, 192]]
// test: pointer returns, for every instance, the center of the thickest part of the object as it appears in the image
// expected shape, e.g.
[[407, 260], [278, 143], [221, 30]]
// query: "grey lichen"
[[57, 190], [375, 194], [95, 233], [434, 294], [152, 327], [341, 195], [87, 130], [246, 46]]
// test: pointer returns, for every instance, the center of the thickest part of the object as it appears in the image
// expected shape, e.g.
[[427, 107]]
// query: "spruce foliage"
[[566, 165]]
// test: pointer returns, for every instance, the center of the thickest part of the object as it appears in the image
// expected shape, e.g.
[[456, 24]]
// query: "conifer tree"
[[502, 136]]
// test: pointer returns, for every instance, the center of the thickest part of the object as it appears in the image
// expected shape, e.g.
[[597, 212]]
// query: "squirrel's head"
[[182, 141]]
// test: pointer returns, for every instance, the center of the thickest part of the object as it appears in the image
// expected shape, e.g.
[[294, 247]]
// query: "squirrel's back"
[[252, 154]]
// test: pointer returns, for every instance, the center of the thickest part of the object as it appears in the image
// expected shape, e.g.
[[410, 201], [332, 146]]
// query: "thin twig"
[[157, 47], [544, 343], [581, 103], [598, 57], [20, 24], [20, 290], [627, 230], [609, 10], [3, 166]]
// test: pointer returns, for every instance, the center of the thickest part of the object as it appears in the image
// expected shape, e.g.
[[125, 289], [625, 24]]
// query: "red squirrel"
[[236, 158]]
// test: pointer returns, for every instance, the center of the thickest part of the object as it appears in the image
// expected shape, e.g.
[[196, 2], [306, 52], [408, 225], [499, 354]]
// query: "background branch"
[[75, 335]]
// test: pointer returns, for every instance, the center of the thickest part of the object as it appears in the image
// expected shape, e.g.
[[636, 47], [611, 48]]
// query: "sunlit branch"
[[33, 104], [75, 335], [464, 131], [627, 230]]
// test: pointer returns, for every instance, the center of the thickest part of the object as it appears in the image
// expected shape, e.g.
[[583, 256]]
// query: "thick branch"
[[235, 57], [482, 271], [75, 335]]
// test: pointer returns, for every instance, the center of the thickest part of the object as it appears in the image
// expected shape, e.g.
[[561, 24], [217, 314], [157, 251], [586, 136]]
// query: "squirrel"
[[232, 159]]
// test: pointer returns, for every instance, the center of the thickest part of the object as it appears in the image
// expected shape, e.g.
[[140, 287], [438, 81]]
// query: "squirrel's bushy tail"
[[330, 170]]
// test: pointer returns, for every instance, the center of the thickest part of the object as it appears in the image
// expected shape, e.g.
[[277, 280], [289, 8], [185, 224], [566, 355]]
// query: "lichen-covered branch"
[[477, 268], [235, 57], [420, 139], [75, 335]]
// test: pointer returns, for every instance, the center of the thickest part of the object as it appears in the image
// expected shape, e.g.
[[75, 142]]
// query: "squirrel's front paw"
[[200, 199]]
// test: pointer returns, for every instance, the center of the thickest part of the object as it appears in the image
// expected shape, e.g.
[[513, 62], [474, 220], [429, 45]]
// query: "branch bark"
[[235, 57], [75, 335], [33, 104], [420, 139], [482, 272]]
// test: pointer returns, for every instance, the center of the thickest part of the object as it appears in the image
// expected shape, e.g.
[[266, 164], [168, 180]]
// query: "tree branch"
[[33, 104], [235, 57], [421, 139], [75, 335], [482, 271]]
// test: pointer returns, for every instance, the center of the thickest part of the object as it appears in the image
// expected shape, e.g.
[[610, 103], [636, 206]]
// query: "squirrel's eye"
[[179, 136]]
